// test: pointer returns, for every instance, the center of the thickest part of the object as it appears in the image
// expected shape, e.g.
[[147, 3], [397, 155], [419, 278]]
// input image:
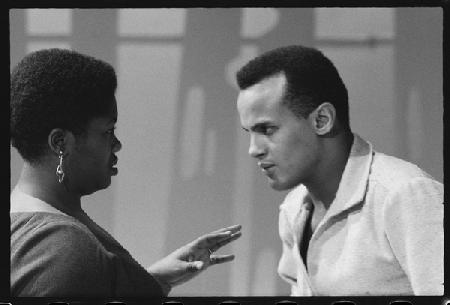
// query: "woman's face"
[[90, 164]]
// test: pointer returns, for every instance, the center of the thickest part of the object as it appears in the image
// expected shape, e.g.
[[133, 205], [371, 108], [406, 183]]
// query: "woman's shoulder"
[[62, 230], [29, 222], [48, 246]]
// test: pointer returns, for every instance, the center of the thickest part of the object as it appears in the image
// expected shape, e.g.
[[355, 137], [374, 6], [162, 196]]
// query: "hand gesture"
[[188, 261]]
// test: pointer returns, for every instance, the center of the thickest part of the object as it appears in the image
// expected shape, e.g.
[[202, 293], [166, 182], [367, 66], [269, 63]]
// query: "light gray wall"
[[184, 168]]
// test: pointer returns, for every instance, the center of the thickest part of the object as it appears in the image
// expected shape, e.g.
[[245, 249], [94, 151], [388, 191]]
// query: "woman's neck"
[[40, 182]]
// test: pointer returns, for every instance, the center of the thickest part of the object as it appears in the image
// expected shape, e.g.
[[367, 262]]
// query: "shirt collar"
[[352, 187], [22, 202]]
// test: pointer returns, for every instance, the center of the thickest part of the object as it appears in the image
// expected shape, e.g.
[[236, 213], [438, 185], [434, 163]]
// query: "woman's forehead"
[[106, 119], [111, 111]]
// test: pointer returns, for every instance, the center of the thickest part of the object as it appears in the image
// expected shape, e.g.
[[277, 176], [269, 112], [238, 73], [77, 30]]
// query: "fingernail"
[[200, 265]]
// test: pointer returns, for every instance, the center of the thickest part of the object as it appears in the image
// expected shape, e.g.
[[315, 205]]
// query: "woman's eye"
[[111, 131]]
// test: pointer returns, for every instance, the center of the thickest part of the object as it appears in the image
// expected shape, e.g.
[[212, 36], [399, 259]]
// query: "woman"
[[63, 115]]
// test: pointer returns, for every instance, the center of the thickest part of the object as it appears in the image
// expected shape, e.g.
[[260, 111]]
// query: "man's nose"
[[256, 148]]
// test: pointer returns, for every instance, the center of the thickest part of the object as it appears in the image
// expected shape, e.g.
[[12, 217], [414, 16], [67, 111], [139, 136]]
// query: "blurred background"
[[184, 168]]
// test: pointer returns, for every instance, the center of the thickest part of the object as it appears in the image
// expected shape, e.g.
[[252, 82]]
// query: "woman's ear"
[[58, 140], [324, 118]]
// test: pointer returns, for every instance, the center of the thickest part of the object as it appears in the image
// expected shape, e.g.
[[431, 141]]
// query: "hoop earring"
[[59, 168]]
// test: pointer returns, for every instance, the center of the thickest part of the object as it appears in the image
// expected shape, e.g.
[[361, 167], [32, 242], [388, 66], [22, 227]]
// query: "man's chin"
[[277, 185]]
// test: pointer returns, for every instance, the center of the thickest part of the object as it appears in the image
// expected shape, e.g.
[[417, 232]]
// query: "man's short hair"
[[56, 88], [311, 79]]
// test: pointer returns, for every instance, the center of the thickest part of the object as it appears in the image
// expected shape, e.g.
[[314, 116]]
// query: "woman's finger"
[[211, 239], [219, 244], [220, 259], [232, 229]]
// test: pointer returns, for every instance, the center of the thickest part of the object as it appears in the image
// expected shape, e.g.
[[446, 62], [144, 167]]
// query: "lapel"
[[299, 225], [301, 220]]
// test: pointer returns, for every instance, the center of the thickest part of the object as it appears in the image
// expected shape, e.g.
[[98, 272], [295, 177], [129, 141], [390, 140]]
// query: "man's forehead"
[[261, 96]]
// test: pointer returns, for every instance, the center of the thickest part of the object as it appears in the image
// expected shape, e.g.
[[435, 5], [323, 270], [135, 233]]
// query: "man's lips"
[[265, 165]]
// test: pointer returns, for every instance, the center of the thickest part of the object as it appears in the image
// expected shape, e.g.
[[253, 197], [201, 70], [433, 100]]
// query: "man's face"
[[285, 146]]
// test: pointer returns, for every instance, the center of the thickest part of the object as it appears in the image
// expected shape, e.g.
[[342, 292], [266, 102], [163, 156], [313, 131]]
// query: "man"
[[356, 221]]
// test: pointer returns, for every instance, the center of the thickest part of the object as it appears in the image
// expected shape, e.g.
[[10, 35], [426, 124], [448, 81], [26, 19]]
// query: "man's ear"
[[59, 140], [324, 118]]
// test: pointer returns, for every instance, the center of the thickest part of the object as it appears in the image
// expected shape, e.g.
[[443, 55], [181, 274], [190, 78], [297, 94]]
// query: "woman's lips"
[[114, 169]]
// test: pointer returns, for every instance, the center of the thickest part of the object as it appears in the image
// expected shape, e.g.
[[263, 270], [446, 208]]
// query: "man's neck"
[[325, 185]]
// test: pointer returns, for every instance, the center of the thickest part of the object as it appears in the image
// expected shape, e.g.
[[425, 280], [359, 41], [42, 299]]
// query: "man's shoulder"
[[392, 172]]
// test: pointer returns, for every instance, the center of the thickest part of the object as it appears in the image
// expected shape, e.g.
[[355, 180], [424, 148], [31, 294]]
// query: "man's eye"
[[265, 130], [269, 130]]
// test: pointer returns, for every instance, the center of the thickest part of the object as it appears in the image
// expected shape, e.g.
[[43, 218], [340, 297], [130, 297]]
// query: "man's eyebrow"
[[113, 120], [257, 126]]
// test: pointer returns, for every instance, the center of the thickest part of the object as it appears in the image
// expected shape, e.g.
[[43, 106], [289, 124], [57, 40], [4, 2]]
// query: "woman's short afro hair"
[[56, 88]]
